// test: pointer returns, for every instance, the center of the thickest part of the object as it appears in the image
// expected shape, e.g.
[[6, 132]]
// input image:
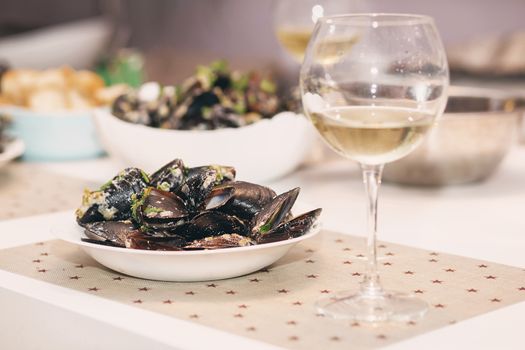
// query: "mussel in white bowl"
[[215, 116], [173, 219]]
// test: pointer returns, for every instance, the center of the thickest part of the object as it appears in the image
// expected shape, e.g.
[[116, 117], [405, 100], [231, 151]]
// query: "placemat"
[[276, 305], [26, 189]]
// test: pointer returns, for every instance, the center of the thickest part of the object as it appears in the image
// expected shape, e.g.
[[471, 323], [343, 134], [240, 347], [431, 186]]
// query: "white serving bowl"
[[261, 151], [77, 44], [184, 266]]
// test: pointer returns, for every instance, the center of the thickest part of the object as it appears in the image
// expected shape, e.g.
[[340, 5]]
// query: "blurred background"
[[484, 38], [60, 57]]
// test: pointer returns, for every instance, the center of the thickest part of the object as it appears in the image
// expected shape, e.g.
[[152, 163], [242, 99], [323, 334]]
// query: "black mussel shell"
[[223, 241], [145, 242], [275, 212], [159, 210], [169, 177], [113, 200], [110, 232], [239, 198], [296, 227], [200, 182], [214, 223]]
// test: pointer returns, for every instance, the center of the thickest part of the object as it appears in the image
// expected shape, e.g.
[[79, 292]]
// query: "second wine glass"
[[373, 102]]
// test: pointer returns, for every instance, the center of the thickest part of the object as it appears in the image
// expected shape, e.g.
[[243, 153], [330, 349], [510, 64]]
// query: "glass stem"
[[372, 179]]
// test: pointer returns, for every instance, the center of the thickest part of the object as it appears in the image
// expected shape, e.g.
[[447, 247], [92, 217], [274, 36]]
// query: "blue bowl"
[[55, 136]]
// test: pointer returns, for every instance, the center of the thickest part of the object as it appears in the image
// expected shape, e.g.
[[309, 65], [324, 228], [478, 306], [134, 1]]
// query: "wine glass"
[[294, 20], [373, 85]]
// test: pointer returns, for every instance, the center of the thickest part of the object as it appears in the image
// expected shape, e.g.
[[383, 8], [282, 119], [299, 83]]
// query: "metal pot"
[[478, 128]]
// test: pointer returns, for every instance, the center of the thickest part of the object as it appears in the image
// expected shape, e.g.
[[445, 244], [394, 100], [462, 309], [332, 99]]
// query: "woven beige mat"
[[276, 305], [26, 189]]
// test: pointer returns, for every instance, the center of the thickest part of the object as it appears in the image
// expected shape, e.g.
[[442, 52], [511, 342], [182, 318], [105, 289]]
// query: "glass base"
[[383, 307]]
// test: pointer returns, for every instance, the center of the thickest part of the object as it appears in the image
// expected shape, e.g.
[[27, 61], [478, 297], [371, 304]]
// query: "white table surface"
[[484, 221]]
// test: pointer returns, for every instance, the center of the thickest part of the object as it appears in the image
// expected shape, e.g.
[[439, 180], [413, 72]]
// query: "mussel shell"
[[239, 198], [275, 212], [144, 242], [169, 177], [296, 227], [159, 210], [200, 182], [217, 242], [197, 186], [110, 232], [113, 200], [214, 223]]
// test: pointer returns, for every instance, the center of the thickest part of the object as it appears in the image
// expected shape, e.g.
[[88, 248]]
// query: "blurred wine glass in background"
[[294, 21]]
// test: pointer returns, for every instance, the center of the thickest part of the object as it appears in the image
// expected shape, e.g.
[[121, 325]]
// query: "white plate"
[[12, 150], [77, 44], [262, 151], [183, 266]]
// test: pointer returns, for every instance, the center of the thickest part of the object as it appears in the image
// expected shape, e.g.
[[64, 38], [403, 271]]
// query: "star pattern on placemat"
[[293, 293]]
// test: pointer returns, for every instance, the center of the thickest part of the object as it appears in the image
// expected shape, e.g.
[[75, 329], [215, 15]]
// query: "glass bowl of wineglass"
[[373, 102]]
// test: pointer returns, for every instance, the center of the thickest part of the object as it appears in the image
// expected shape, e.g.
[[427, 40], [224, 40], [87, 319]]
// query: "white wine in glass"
[[374, 105], [373, 135]]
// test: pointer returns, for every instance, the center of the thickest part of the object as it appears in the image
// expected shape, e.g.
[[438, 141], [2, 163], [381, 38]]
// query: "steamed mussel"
[[182, 208]]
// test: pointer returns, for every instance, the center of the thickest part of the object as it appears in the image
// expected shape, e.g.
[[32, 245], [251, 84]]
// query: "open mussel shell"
[[214, 223], [296, 227], [197, 186], [145, 242], [274, 212], [170, 177], [218, 242], [113, 200], [112, 233], [239, 198], [159, 210]]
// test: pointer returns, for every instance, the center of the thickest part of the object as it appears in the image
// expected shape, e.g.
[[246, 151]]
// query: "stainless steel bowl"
[[478, 128]]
